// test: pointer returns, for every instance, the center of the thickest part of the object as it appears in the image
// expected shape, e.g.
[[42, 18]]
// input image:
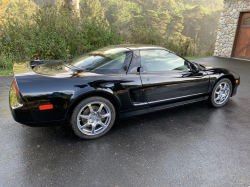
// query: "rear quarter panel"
[[63, 91]]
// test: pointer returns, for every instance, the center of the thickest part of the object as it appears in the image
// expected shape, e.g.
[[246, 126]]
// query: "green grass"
[[5, 72], [195, 57]]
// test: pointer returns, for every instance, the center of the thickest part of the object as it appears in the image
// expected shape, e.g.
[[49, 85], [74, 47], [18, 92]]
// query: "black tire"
[[85, 111], [216, 88]]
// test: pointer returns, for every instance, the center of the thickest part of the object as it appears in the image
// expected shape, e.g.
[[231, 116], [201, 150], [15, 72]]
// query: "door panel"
[[242, 46], [166, 87], [168, 78]]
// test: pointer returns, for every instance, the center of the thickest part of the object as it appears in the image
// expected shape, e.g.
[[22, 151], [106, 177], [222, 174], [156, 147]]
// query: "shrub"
[[52, 33]]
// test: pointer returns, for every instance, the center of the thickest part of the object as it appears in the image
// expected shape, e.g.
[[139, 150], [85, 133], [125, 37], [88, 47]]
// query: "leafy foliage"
[[51, 33], [92, 9], [34, 29], [167, 22]]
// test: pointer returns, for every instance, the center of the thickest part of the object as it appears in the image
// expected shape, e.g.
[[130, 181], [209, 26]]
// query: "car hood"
[[206, 66], [219, 70]]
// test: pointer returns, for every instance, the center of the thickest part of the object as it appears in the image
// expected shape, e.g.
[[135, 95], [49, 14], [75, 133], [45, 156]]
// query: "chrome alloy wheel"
[[222, 93], [94, 118]]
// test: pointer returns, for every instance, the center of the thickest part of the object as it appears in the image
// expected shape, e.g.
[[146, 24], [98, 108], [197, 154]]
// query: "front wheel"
[[93, 117], [221, 93]]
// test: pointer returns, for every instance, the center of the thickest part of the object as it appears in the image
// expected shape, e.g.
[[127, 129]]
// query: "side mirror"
[[194, 67]]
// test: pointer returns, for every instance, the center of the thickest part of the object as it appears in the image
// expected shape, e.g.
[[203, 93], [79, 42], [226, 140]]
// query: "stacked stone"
[[228, 25]]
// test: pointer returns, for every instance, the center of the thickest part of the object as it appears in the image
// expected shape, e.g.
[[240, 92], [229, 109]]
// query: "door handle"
[[140, 69]]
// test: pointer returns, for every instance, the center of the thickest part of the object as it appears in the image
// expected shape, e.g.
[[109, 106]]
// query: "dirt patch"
[[6, 75]]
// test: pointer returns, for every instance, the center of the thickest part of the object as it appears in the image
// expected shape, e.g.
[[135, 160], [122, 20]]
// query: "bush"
[[143, 34], [6, 62], [182, 46], [52, 33]]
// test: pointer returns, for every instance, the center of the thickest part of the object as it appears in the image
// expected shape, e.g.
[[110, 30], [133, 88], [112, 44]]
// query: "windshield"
[[107, 58]]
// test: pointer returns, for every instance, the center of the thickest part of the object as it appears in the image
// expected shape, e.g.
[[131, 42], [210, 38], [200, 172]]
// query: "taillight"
[[17, 91]]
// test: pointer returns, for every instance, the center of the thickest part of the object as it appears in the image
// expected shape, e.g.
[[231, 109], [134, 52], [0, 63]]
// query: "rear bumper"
[[22, 114], [25, 117]]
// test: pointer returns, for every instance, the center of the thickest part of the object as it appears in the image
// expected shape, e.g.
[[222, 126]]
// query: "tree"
[[211, 4], [40, 3], [192, 16], [122, 13], [18, 9], [72, 6], [175, 26], [3, 6], [92, 9]]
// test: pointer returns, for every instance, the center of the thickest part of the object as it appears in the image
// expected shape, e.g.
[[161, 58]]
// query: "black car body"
[[46, 92]]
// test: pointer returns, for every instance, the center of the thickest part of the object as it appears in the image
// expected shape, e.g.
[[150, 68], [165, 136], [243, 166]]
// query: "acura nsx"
[[119, 81]]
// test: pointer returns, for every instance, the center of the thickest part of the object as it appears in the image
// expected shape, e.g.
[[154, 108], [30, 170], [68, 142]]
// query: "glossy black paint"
[[132, 91]]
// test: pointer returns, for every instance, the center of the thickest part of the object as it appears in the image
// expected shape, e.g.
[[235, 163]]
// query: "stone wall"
[[228, 25]]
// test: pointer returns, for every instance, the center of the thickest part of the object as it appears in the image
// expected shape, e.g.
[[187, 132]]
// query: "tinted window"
[[161, 60], [103, 60]]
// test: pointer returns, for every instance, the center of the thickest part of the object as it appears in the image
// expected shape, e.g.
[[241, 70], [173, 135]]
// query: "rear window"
[[109, 60]]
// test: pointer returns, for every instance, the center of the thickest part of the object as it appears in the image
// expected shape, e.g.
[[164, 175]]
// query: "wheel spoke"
[[85, 125], [84, 116], [217, 98], [217, 93], [225, 86], [105, 115], [102, 124], [100, 109], [221, 87], [90, 108], [93, 129], [221, 99]]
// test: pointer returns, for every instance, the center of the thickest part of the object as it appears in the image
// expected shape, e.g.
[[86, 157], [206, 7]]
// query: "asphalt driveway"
[[190, 146]]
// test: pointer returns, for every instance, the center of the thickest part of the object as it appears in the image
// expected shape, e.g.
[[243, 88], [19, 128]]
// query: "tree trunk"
[[73, 6]]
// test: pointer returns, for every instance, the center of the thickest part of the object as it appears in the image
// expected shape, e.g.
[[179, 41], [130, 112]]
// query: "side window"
[[117, 64], [112, 64], [161, 60]]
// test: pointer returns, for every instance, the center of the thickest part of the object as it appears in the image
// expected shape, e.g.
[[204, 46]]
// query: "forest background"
[[52, 29]]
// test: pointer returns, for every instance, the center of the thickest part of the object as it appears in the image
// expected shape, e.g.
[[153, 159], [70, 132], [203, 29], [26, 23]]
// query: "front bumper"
[[234, 91]]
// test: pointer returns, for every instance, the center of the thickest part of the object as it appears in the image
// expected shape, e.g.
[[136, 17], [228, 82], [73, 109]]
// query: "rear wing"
[[35, 63]]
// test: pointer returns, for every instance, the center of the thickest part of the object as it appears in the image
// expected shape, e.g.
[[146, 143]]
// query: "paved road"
[[189, 146]]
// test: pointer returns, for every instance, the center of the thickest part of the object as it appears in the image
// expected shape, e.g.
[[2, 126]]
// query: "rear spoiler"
[[35, 63]]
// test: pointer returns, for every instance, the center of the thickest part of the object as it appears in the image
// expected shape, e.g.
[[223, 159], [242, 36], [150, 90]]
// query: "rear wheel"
[[221, 92], [93, 117]]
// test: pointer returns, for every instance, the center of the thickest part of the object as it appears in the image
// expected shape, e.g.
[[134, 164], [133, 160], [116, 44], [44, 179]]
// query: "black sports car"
[[119, 81]]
